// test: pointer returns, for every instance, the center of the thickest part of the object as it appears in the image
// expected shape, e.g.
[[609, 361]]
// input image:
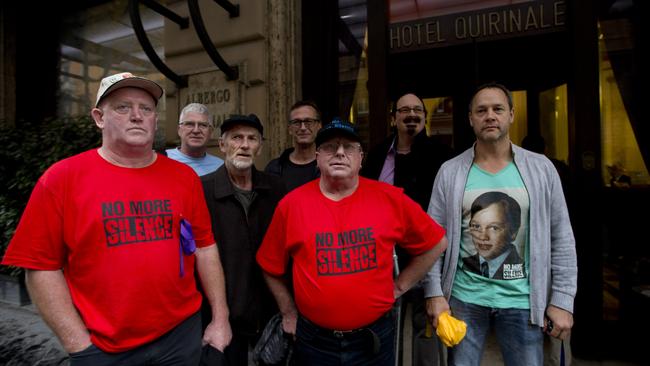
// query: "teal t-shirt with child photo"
[[494, 248]]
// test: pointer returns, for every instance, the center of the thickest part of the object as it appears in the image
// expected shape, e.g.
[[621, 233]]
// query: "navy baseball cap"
[[238, 119], [337, 128]]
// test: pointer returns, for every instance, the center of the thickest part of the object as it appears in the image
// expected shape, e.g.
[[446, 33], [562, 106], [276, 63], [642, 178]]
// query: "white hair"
[[195, 108]]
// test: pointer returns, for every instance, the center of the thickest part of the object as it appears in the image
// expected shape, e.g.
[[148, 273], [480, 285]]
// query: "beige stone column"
[[283, 44]]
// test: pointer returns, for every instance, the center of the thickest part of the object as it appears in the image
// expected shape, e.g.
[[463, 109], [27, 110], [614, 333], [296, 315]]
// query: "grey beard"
[[241, 165]]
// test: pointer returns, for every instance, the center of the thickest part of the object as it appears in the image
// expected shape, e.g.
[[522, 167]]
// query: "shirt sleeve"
[[38, 241], [421, 232], [564, 268], [273, 256]]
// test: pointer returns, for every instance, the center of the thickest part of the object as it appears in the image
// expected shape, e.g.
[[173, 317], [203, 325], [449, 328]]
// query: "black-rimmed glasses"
[[407, 110], [308, 122]]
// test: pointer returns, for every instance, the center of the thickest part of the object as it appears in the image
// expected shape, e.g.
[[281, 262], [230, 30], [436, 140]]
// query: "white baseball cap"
[[126, 79]]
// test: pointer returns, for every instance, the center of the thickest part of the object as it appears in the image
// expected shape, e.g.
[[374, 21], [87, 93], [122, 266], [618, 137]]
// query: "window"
[[620, 146], [98, 42]]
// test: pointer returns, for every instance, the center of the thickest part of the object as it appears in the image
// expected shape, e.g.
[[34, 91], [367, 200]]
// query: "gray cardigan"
[[553, 266]]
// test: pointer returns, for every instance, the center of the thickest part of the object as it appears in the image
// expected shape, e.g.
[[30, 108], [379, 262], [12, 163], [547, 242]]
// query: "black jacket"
[[278, 166], [238, 237], [414, 171]]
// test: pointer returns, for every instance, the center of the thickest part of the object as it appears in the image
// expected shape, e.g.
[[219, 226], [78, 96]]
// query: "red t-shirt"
[[343, 251], [115, 232]]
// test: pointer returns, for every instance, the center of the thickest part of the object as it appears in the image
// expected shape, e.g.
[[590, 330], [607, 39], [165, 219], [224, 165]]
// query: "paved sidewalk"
[[26, 340], [492, 357]]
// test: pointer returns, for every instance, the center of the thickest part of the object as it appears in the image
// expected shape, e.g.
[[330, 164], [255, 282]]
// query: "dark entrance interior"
[[533, 64]]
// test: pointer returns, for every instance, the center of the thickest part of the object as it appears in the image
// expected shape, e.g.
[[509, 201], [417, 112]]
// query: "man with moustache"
[[297, 165], [194, 129], [241, 201], [410, 159], [340, 231], [537, 294]]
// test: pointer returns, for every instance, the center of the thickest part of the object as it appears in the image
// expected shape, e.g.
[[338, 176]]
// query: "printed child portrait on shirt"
[[495, 221]]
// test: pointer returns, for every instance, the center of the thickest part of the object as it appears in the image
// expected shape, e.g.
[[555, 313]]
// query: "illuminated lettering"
[[495, 23]]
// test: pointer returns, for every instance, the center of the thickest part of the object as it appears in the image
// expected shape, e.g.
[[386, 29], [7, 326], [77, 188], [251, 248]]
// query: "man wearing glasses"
[[194, 130], [340, 232], [297, 165], [410, 159]]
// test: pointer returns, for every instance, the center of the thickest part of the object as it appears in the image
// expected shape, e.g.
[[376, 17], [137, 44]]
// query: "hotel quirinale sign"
[[533, 17]]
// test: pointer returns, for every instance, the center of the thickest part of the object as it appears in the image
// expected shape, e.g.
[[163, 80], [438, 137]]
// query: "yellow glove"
[[450, 330]]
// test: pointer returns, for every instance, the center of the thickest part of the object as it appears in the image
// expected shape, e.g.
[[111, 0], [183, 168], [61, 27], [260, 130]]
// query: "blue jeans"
[[373, 345], [521, 342]]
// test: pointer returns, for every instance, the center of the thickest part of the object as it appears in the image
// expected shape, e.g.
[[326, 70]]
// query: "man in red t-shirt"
[[100, 241], [340, 232]]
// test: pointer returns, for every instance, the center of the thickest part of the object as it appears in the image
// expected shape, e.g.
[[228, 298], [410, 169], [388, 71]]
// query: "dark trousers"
[[373, 345], [425, 349], [235, 354], [179, 347], [237, 351]]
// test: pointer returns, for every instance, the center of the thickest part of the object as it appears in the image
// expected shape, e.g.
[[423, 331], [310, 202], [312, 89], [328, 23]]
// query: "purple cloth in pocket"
[[187, 243]]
